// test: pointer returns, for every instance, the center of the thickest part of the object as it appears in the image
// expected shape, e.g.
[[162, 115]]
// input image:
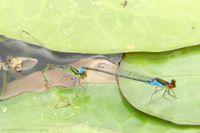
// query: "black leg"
[[78, 82], [166, 90], [46, 80], [155, 91], [45, 77], [75, 88], [172, 95]]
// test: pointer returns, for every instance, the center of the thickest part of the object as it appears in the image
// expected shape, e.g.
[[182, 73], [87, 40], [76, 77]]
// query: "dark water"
[[11, 47]]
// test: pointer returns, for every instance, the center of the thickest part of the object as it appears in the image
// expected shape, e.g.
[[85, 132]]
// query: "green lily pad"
[[80, 26], [76, 128], [181, 65], [103, 108]]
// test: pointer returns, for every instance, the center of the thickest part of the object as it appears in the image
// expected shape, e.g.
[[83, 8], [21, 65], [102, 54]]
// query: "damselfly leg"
[[155, 91], [48, 82], [70, 71], [166, 90], [164, 94], [173, 95], [76, 89]]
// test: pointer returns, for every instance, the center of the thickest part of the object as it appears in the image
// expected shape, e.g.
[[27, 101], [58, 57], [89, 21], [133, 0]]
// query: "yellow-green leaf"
[[81, 26], [181, 65]]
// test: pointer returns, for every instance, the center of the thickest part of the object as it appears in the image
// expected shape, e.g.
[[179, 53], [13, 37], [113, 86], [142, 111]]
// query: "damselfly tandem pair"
[[19, 64], [69, 70], [81, 73]]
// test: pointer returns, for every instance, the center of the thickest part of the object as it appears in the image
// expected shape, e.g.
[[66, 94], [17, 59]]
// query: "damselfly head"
[[172, 84], [82, 70]]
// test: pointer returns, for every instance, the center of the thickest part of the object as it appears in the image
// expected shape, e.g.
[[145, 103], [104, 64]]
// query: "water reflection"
[[42, 56]]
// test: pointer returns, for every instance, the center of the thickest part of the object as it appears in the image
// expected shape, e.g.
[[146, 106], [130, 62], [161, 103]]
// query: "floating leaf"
[[181, 65], [103, 107], [81, 26]]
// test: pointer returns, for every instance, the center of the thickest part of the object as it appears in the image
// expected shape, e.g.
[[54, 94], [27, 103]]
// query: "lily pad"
[[82, 128], [102, 109], [181, 65], [80, 26]]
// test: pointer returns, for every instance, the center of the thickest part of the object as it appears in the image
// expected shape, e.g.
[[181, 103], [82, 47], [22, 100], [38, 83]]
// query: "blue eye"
[[82, 70]]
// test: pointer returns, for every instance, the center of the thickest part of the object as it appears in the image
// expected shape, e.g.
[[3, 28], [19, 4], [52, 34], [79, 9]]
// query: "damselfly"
[[159, 83], [69, 70]]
